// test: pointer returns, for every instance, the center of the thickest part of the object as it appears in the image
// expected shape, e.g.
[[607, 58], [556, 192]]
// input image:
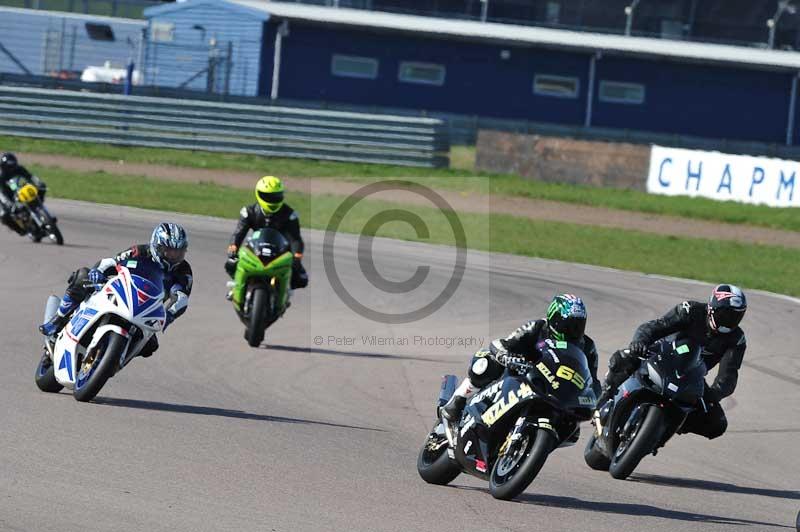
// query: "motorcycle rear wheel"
[[45, 376], [593, 457], [642, 443], [434, 466], [89, 383], [55, 233], [509, 479]]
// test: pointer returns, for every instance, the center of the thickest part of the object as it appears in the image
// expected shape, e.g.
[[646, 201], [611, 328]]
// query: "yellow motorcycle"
[[30, 214]]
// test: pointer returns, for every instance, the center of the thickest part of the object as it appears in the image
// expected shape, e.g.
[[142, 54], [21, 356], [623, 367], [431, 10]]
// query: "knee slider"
[[78, 276], [75, 288], [718, 428], [479, 372]]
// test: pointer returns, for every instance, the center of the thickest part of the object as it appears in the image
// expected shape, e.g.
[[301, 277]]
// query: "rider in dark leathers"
[[566, 320], [167, 248], [714, 326], [9, 169], [270, 211]]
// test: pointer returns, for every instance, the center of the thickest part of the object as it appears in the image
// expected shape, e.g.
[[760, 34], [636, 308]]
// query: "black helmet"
[[726, 308], [566, 318], [8, 162]]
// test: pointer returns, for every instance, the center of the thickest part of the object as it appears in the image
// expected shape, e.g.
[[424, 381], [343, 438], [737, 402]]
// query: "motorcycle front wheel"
[[517, 468], [98, 366], [259, 308], [640, 440]]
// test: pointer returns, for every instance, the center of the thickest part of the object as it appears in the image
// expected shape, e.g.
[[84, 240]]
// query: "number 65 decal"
[[568, 374]]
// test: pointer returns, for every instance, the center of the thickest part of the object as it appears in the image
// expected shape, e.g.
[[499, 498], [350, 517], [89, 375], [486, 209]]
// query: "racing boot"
[[452, 410], [61, 317], [572, 439], [607, 393], [150, 347], [613, 380]]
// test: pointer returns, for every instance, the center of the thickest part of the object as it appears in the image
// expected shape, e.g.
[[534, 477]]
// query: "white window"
[[558, 86], [162, 31], [424, 73], [350, 66], [619, 92]]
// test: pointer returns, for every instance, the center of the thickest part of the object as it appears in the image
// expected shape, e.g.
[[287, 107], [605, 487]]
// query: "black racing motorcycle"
[[30, 214], [507, 430], [648, 409]]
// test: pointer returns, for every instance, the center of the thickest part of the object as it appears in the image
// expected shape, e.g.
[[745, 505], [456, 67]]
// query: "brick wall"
[[564, 160]]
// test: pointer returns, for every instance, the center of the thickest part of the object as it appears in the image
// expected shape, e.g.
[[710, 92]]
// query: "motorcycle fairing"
[[488, 414], [134, 299], [634, 396], [250, 267]]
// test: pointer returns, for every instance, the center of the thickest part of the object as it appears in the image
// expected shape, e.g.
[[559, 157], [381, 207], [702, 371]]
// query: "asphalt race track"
[[320, 429]]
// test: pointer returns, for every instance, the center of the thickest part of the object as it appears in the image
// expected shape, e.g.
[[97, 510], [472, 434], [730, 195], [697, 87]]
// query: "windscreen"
[[679, 369], [268, 243], [563, 373], [676, 356], [147, 276]]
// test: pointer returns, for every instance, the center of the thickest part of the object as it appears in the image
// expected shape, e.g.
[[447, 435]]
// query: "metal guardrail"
[[226, 127]]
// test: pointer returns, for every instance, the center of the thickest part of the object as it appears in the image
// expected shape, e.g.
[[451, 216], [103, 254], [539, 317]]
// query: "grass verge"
[[752, 266], [217, 160], [461, 179]]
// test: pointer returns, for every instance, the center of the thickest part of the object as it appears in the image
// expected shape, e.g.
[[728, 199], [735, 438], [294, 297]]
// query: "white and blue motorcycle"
[[105, 333]]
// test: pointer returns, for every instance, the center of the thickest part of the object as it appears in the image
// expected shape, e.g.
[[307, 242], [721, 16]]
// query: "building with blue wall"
[[45, 43], [310, 53], [184, 38]]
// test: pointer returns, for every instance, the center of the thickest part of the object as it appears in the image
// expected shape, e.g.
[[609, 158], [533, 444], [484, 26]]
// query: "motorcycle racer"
[[566, 321], [167, 248], [715, 326], [9, 169], [270, 211]]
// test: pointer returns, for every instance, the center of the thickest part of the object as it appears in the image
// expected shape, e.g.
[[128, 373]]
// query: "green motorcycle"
[[261, 276]]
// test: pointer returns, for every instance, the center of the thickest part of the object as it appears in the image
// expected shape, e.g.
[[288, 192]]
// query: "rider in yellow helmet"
[[270, 210]]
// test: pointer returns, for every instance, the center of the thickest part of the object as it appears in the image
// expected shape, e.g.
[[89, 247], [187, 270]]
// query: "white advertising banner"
[[679, 172]]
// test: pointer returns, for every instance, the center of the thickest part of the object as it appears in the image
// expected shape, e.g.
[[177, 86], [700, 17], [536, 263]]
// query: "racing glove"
[[96, 277], [40, 185], [175, 304], [638, 349], [502, 356], [232, 251]]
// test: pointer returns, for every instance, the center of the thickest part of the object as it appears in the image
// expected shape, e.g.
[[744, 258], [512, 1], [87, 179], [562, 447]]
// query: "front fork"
[[448, 387], [521, 426], [513, 437]]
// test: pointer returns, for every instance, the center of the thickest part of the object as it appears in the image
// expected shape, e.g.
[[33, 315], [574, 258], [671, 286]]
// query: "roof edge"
[[515, 34], [173, 7]]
